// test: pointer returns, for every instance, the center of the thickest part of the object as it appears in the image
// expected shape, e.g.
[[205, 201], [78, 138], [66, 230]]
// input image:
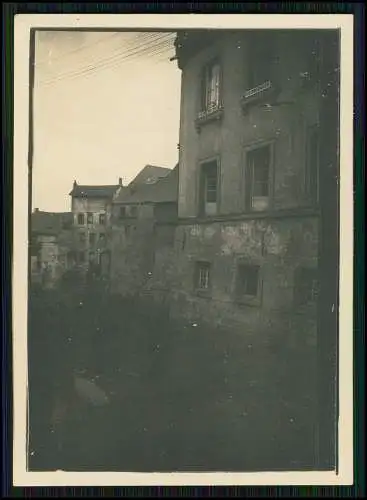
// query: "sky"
[[105, 105]]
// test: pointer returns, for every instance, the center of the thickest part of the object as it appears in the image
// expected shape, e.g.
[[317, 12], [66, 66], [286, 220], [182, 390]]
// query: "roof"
[[49, 223], [106, 191], [150, 174], [163, 190]]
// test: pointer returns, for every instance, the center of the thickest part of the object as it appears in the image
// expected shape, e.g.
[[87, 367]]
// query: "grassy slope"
[[182, 397]]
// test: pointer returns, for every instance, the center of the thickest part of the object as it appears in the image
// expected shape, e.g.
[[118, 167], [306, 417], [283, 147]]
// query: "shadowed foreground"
[[180, 397]]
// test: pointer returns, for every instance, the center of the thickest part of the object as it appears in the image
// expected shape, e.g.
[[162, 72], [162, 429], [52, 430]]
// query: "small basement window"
[[203, 275], [248, 281]]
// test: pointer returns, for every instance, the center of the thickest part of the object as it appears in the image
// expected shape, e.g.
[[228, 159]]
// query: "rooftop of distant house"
[[152, 185], [95, 191], [50, 223]]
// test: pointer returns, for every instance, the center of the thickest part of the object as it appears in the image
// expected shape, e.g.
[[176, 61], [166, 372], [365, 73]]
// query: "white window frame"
[[203, 276], [212, 86]]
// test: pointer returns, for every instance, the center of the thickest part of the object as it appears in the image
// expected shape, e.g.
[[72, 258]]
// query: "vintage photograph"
[[183, 250]]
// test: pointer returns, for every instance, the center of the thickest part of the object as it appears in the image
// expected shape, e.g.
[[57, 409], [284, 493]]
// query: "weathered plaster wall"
[[48, 269], [279, 246], [132, 252], [133, 242]]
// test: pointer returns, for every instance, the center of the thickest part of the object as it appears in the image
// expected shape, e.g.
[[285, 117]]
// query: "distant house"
[[49, 246], [91, 212], [152, 193], [143, 212]]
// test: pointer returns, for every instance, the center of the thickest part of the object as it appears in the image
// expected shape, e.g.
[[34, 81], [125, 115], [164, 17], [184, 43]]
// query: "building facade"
[[143, 215], [51, 237], [246, 243], [91, 212]]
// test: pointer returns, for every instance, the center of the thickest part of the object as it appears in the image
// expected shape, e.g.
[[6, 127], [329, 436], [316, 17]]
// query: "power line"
[[136, 52], [78, 49], [143, 37], [96, 70], [112, 66], [105, 61]]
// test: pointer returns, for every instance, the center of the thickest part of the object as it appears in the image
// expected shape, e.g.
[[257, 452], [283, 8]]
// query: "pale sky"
[[105, 105]]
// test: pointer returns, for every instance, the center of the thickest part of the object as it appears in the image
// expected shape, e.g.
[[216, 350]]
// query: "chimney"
[[74, 183], [36, 209], [120, 181]]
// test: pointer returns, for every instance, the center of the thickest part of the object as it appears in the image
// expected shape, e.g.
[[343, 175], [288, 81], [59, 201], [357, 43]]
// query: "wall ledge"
[[269, 214]]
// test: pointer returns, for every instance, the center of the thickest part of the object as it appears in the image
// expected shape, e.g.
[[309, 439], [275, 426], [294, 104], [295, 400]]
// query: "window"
[[312, 165], [82, 237], [92, 238], [248, 281], [306, 286], [122, 212], [203, 275], [90, 218], [258, 177], [210, 90], [102, 219], [81, 219], [133, 211], [92, 257], [260, 59], [209, 188]]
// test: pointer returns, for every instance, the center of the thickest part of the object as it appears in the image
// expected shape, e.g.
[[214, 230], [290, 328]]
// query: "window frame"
[[90, 217], [122, 210], [199, 265], [243, 298], [248, 176], [204, 106], [102, 219], [201, 187]]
